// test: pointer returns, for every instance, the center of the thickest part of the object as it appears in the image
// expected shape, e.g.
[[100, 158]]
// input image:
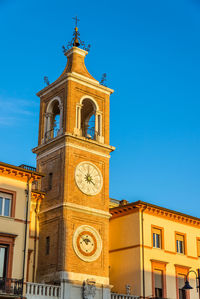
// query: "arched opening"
[[56, 119], [88, 119], [53, 117]]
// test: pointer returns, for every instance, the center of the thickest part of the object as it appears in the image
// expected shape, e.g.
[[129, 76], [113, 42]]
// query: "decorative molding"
[[89, 289], [182, 267], [87, 150], [64, 275], [91, 98], [85, 78], [21, 221], [76, 50], [88, 84], [48, 152], [18, 172], [80, 208], [149, 247], [158, 261], [56, 98], [156, 211], [75, 78], [52, 86]]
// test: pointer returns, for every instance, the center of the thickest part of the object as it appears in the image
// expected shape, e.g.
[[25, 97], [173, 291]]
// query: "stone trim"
[[48, 152], [80, 208], [81, 80]]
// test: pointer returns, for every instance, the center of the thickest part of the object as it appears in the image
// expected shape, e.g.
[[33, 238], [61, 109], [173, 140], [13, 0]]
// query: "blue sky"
[[150, 52]]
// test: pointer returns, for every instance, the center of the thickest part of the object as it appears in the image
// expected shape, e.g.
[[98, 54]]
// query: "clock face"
[[88, 178], [87, 243]]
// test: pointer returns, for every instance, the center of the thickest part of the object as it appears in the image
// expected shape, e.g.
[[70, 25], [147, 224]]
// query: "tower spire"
[[76, 41]]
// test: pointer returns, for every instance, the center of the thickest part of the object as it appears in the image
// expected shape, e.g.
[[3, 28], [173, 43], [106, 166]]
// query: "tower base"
[[87, 287], [88, 290]]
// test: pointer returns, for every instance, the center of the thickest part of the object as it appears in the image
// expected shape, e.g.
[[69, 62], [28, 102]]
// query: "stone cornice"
[[67, 139], [18, 172], [155, 211], [35, 195], [77, 78], [79, 208]]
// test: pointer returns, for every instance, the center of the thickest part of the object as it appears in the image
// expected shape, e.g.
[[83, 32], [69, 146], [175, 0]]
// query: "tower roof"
[[76, 51]]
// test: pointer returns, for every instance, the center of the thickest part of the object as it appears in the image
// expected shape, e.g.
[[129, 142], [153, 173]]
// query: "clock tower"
[[73, 152]]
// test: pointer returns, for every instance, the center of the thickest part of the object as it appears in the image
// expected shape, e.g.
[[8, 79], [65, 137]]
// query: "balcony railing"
[[10, 286], [27, 167], [39, 290], [123, 296], [51, 134], [90, 133]]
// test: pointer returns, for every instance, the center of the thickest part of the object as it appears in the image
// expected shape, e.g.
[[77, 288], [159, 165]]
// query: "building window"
[[158, 280], [6, 254], [47, 245], [180, 244], [3, 260], [157, 237], [198, 247], [50, 180], [5, 204]]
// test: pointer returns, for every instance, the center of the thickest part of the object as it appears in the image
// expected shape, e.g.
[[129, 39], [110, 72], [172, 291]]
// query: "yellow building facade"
[[18, 245], [152, 249]]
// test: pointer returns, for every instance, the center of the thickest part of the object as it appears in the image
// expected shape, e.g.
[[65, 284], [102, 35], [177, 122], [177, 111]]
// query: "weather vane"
[[46, 80], [76, 41], [103, 79]]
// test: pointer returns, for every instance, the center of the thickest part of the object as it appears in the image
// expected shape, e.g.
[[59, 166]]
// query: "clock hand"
[[81, 171], [83, 239], [87, 241]]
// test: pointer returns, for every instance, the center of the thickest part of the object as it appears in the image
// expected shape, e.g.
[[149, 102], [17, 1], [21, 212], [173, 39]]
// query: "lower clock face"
[[87, 243]]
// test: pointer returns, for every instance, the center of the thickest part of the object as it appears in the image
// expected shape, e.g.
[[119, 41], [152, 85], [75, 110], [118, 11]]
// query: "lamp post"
[[187, 286]]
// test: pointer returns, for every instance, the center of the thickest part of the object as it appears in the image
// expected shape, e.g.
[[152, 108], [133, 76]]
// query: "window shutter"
[[156, 231], [6, 195], [158, 276], [179, 237]]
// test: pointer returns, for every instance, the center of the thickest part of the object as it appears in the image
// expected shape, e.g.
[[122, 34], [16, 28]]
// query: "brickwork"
[[65, 207]]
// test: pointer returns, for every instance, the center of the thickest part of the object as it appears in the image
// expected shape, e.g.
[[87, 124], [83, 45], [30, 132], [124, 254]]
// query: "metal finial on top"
[[76, 20], [76, 41]]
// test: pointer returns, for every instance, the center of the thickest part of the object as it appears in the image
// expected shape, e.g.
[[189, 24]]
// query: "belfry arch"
[[89, 119], [53, 119]]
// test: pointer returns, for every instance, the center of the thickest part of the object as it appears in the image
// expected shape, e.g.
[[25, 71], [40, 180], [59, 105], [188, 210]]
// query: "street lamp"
[[187, 286]]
